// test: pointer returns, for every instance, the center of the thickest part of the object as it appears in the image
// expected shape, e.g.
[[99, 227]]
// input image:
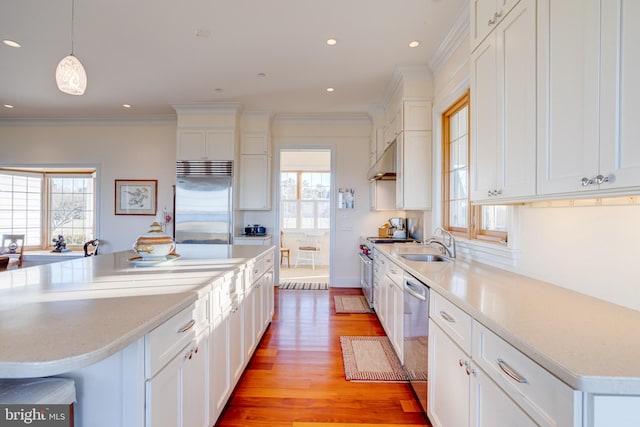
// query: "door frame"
[[332, 203]]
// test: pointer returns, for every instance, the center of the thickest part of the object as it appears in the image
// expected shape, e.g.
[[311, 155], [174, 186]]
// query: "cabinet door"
[[220, 144], [235, 342], [399, 171], [191, 144], [255, 143], [620, 92], [195, 390], [416, 115], [448, 384], [503, 109], [219, 367], [517, 102], [249, 309], [163, 406], [398, 322], [492, 407], [568, 40], [268, 295], [484, 119], [255, 182], [416, 170]]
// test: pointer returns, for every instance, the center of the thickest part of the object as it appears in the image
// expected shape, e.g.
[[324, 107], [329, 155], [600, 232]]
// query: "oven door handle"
[[365, 259], [415, 291]]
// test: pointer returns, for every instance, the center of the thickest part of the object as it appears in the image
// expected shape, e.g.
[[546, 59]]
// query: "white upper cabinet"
[[588, 118], [255, 170], [485, 17], [413, 170], [620, 92], [503, 109], [205, 144]]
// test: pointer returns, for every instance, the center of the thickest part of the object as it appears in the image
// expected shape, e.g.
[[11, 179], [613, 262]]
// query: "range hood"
[[385, 167]]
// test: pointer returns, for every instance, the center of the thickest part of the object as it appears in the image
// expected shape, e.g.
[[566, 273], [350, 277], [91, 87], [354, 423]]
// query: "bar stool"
[[25, 393]]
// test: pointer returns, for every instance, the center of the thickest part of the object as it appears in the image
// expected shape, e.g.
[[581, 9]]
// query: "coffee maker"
[[399, 229]]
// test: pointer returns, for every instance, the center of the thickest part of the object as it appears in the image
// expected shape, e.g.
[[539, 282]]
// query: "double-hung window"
[[459, 216], [44, 203], [305, 200]]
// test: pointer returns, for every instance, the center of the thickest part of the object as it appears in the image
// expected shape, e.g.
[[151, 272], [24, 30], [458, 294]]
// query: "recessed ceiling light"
[[414, 43], [262, 75], [126, 105], [332, 42], [8, 106], [11, 43], [330, 89], [218, 89]]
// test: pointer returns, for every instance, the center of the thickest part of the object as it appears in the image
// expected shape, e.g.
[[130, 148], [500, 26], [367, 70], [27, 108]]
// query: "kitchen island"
[[92, 319], [591, 346]]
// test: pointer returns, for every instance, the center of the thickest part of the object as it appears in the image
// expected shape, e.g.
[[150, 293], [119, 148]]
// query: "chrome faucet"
[[446, 241]]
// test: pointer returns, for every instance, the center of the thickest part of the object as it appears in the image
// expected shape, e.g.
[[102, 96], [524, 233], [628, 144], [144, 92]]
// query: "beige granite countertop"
[[590, 344], [59, 317]]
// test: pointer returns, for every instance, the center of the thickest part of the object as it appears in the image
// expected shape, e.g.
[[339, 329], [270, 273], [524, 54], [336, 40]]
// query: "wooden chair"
[[91, 247], [13, 247], [284, 252], [4, 262]]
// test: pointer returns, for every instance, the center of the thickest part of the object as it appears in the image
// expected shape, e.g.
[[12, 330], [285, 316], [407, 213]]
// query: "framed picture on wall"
[[136, 197]]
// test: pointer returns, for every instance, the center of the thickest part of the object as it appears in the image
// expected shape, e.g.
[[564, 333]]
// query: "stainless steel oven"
[[366, 270], [416, 332]]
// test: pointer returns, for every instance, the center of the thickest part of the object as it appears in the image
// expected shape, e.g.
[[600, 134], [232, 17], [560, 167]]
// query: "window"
[[305, 199], [44, 204], [459, 216]]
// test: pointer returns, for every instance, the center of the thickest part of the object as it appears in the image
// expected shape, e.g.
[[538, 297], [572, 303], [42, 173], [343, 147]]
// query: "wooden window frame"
[[474, 219]]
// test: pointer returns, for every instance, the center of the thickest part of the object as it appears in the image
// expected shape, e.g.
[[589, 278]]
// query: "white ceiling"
[[155, 53]]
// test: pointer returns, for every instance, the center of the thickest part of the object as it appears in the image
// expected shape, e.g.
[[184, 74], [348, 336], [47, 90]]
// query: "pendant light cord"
[[72, 21]]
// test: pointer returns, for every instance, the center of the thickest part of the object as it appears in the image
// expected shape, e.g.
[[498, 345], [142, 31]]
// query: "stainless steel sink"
[[425, 257]]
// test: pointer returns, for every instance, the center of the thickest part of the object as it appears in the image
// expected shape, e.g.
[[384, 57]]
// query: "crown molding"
[[322, 117], [457, 34], [159, 119], [208, 108]]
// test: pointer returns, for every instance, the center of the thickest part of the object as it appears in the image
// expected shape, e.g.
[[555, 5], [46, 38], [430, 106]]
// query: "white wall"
[[119, 150], [592, 250]]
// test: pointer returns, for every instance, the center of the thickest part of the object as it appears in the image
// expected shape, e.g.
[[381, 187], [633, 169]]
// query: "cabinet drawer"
[[544, 397], [165, 341], [453, 321], [395, 273]]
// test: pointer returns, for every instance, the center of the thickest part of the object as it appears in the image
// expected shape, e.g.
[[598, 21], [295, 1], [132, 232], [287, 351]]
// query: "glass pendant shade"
[[70, 76]]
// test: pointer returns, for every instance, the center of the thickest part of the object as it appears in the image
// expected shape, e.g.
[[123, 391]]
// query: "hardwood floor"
[[296, 376]]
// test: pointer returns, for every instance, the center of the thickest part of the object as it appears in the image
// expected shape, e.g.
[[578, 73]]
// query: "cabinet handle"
[[462, 363], [600, 179], [497, 15], [491, 21], [188, 326], [512, 373], [470, 371], [446, 316], [586, 181]]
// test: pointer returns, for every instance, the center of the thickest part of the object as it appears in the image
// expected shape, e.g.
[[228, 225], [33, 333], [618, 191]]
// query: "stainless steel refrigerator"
[[203, 208]]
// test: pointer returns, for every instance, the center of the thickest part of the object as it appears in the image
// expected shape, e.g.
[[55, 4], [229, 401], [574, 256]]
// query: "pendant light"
[[70, 75]]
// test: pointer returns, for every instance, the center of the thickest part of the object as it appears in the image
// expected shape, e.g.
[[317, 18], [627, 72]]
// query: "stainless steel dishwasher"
[[416, 332]]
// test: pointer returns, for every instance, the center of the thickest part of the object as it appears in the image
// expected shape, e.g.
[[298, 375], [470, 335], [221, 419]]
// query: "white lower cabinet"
[[389, 300], [477, 379], [492, 407], [448, 404], [177, 393]]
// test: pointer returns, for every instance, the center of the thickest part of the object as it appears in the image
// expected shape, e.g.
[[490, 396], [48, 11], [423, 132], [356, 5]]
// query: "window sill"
[[493, 254]]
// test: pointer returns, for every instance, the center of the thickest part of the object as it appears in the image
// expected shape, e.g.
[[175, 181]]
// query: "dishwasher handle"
[[416, 291]]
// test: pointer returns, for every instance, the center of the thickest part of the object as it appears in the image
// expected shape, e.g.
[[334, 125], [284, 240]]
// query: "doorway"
[[305, 207]]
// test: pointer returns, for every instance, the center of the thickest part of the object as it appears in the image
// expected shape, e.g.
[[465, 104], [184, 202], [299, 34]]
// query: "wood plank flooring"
[[296, 376]]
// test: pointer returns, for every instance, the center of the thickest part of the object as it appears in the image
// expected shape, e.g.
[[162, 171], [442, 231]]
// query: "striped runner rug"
[[304, 286]]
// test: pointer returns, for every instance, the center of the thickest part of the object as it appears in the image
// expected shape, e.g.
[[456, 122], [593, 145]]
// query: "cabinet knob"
[[601, 179]]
